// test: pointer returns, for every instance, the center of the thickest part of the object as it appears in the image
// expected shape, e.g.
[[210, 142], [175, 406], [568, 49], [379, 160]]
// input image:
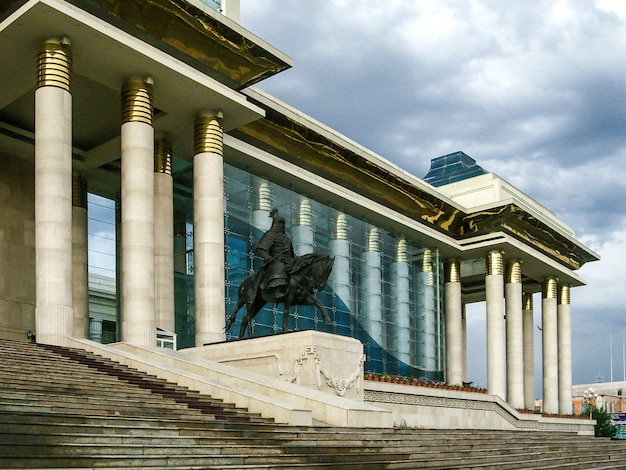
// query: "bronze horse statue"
[[307, 274]]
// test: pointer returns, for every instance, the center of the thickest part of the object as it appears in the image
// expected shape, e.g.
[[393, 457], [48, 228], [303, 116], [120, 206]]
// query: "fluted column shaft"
[[80, 274], [529, 351], [208, 235], [550, 347], [137, 257], [494, 291], [53, 194], [514, 335], [564, 327], [453, 309]]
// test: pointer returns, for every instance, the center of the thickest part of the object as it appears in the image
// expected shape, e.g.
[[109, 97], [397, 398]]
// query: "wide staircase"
[[67, 408]]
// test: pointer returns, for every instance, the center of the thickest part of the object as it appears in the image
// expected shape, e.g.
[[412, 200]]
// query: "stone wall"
[[17, 247]]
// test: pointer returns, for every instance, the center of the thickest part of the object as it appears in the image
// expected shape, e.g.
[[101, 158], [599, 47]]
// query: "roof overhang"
[[105, 56]]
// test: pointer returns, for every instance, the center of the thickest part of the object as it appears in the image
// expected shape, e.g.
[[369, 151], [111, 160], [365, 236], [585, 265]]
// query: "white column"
[[453, 309], [137, 240], [303, 235], [372, 282], [494, 291], [80, 274], [564, 327], [208, 234], [401, 324], [550, 347], [464, 342], [427, 317], [164, 234], [514, 335], [53, 194], [529, 350], [339, 277]]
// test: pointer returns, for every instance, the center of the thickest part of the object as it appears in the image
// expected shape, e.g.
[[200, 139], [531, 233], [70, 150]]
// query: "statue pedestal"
[[320, 361]]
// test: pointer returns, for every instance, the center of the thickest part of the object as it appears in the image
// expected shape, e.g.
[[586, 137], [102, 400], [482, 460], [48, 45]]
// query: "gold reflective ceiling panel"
[[233, 58]]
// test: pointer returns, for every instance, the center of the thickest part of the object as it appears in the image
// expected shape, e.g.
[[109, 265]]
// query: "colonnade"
[[147, 271], [510, 344]]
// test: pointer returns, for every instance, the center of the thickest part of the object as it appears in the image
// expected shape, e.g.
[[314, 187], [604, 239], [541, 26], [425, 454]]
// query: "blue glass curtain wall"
[[384, 290]]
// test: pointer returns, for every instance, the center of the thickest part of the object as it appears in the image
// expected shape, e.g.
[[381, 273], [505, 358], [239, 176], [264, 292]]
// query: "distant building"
[[195, 162], [610, 396]]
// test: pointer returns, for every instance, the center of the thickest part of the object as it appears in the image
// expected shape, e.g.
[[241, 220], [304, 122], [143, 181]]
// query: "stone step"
[[147, 461]]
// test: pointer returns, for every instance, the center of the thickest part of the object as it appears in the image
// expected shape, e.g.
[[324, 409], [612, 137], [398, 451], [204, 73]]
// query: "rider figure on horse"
[[276, 249]]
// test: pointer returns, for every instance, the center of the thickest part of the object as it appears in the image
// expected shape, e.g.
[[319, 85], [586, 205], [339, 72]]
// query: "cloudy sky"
[[535, 91]]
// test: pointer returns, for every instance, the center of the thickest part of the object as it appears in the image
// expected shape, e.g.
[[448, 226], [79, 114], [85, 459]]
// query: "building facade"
[[153, 106]]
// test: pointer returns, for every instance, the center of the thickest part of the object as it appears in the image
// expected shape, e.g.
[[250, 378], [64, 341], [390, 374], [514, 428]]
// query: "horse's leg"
[[245, 321], [233, 316], [313, 301]]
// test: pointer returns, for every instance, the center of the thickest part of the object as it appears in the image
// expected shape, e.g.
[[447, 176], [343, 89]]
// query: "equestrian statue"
[[282, 277]]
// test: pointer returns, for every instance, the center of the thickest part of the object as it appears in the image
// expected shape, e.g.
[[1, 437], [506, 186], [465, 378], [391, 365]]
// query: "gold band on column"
[[264, 196], [527, 301], [564, 295], [306, 213], [427, 267], [513, 272], [137, 101], [163, 156], [373, 240], [452, 271], [79, 191], [548, 288], [54, 64], [208, 134], [402, 250], [342, 227], [495, 264]]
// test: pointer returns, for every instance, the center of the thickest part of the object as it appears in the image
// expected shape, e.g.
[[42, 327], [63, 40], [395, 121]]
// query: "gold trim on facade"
[[564, 295], [513, 272], [549, 288], [452, 271], [54, 64], [137, 101], [79, 191], [297, 144], [163, 156], [495, 264], [527, 301], [208, 135]]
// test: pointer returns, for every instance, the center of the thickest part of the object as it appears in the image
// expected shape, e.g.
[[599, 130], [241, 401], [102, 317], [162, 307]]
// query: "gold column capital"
[[495, 263], [137, 100], [402, 250], [452, 271], [79, 191], [341, 229], [513, 272], [163, 155], [208, 134], [564, 295], [54, 64], [527, 301], [548, 288]]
